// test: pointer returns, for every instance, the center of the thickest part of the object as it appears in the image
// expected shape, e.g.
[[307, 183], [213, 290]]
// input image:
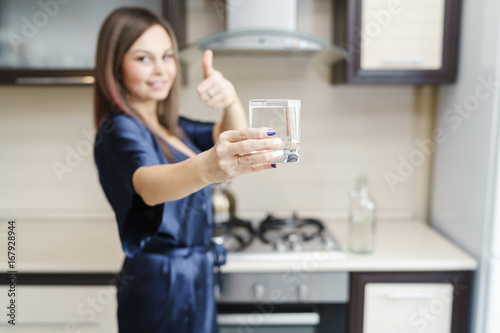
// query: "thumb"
[[208, 68]]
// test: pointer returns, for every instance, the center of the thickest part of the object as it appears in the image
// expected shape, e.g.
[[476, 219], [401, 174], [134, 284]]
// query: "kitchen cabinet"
[[378, 302], [395, 307], [53, 42], [93, 259], [395, 302], [61, 308], [397, 41]]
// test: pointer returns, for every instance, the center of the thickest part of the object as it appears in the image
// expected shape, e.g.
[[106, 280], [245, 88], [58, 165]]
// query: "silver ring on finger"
[[210, 93], [239, 161]]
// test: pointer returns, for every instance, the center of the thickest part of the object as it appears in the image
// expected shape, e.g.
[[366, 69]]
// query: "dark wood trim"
[[451, 47], [174, 11], [351, 72], [61, 278], [340, 36], [461, 280], [10, 76]]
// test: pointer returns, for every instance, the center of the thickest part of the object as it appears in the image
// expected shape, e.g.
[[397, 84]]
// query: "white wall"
[[463, 162], [465, 166], [346, 130]]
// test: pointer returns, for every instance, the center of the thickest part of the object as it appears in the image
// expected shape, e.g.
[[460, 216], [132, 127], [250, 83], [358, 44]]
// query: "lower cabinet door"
[[408, 307], [59, 309]]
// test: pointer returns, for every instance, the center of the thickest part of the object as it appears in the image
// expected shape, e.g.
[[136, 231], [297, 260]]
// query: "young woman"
[[156, 167]]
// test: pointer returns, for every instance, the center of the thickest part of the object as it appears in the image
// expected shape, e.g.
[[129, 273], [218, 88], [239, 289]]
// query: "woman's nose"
[[160, 67]]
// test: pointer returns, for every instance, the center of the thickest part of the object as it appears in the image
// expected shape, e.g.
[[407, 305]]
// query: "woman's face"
[[149, 67]]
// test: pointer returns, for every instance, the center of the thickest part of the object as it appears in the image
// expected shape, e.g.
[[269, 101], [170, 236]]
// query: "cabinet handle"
[[40, 81], [410, 295], [403, 60], [50, 323], [271, 319]]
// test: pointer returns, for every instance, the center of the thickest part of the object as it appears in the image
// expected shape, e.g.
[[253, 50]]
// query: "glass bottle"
[[361, 218]]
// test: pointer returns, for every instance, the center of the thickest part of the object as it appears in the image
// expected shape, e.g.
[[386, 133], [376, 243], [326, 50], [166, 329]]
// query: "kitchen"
[[347, 130]]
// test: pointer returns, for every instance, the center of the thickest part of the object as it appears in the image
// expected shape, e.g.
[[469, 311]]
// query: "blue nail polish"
[[271, 132], [273, 165]]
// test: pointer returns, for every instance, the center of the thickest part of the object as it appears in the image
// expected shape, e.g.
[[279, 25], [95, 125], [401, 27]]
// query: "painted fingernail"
[[278, 153], [273, 166], [271, 132], [277, 142]]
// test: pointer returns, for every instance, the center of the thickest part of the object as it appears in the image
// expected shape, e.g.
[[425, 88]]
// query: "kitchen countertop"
[[92, 246], [400, 246]]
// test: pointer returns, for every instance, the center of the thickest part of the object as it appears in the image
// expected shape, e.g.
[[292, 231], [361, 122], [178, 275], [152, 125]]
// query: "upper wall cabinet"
[[54, 41], [397, 41]]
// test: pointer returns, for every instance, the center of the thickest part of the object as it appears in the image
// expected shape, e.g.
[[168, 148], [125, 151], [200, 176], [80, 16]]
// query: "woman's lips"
[[157, 85]]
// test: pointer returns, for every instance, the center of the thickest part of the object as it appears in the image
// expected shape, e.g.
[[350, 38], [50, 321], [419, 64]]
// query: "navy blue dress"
[[168, 267]]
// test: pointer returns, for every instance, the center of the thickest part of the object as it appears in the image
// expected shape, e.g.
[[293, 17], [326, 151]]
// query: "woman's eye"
[[168, 56], [143, 59]]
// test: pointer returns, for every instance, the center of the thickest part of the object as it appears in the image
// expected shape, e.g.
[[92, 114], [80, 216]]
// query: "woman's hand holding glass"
[[235, 154]]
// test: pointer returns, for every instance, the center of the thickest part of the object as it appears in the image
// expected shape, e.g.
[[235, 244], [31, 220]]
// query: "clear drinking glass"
[[282, 115]]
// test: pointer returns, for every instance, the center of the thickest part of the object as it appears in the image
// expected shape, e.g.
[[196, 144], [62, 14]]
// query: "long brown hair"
[[118, 32]]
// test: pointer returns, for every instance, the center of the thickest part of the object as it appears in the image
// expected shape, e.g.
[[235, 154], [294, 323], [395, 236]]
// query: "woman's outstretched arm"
[[168, 182]]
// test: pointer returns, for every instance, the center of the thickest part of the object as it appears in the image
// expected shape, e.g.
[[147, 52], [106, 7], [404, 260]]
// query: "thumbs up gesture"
[[207, 62], [215, 90]]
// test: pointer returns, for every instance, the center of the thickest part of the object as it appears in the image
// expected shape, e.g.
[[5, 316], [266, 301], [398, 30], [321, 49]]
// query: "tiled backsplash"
[[346, 130]]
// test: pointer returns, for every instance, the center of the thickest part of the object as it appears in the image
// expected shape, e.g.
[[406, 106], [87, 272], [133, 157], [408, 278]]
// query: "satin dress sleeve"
[[199, 132], [121, 147]]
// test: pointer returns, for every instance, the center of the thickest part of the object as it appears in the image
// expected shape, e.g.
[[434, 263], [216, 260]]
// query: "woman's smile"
[[157, 85], [149, 69]]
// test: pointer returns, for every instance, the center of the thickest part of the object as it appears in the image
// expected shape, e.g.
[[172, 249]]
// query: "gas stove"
[[302, 299], [276, 239]]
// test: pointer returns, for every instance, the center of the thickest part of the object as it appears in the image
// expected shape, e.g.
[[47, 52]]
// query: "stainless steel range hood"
[[263, 27]]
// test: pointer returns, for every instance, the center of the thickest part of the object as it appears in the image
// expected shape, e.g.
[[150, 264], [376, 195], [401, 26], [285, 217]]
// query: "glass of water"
[[282, 115]]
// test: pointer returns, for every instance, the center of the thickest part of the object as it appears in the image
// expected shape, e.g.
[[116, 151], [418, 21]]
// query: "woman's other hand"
[[232, 154], [215, 90]]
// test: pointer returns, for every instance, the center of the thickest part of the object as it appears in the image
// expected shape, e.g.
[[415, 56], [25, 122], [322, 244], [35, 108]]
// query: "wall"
[[346, 130], [465, 193], [468, 151]]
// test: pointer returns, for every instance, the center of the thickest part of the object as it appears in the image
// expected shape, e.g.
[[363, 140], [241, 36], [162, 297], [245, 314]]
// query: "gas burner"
[[278, 238], [289, 234], [235, 235]]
